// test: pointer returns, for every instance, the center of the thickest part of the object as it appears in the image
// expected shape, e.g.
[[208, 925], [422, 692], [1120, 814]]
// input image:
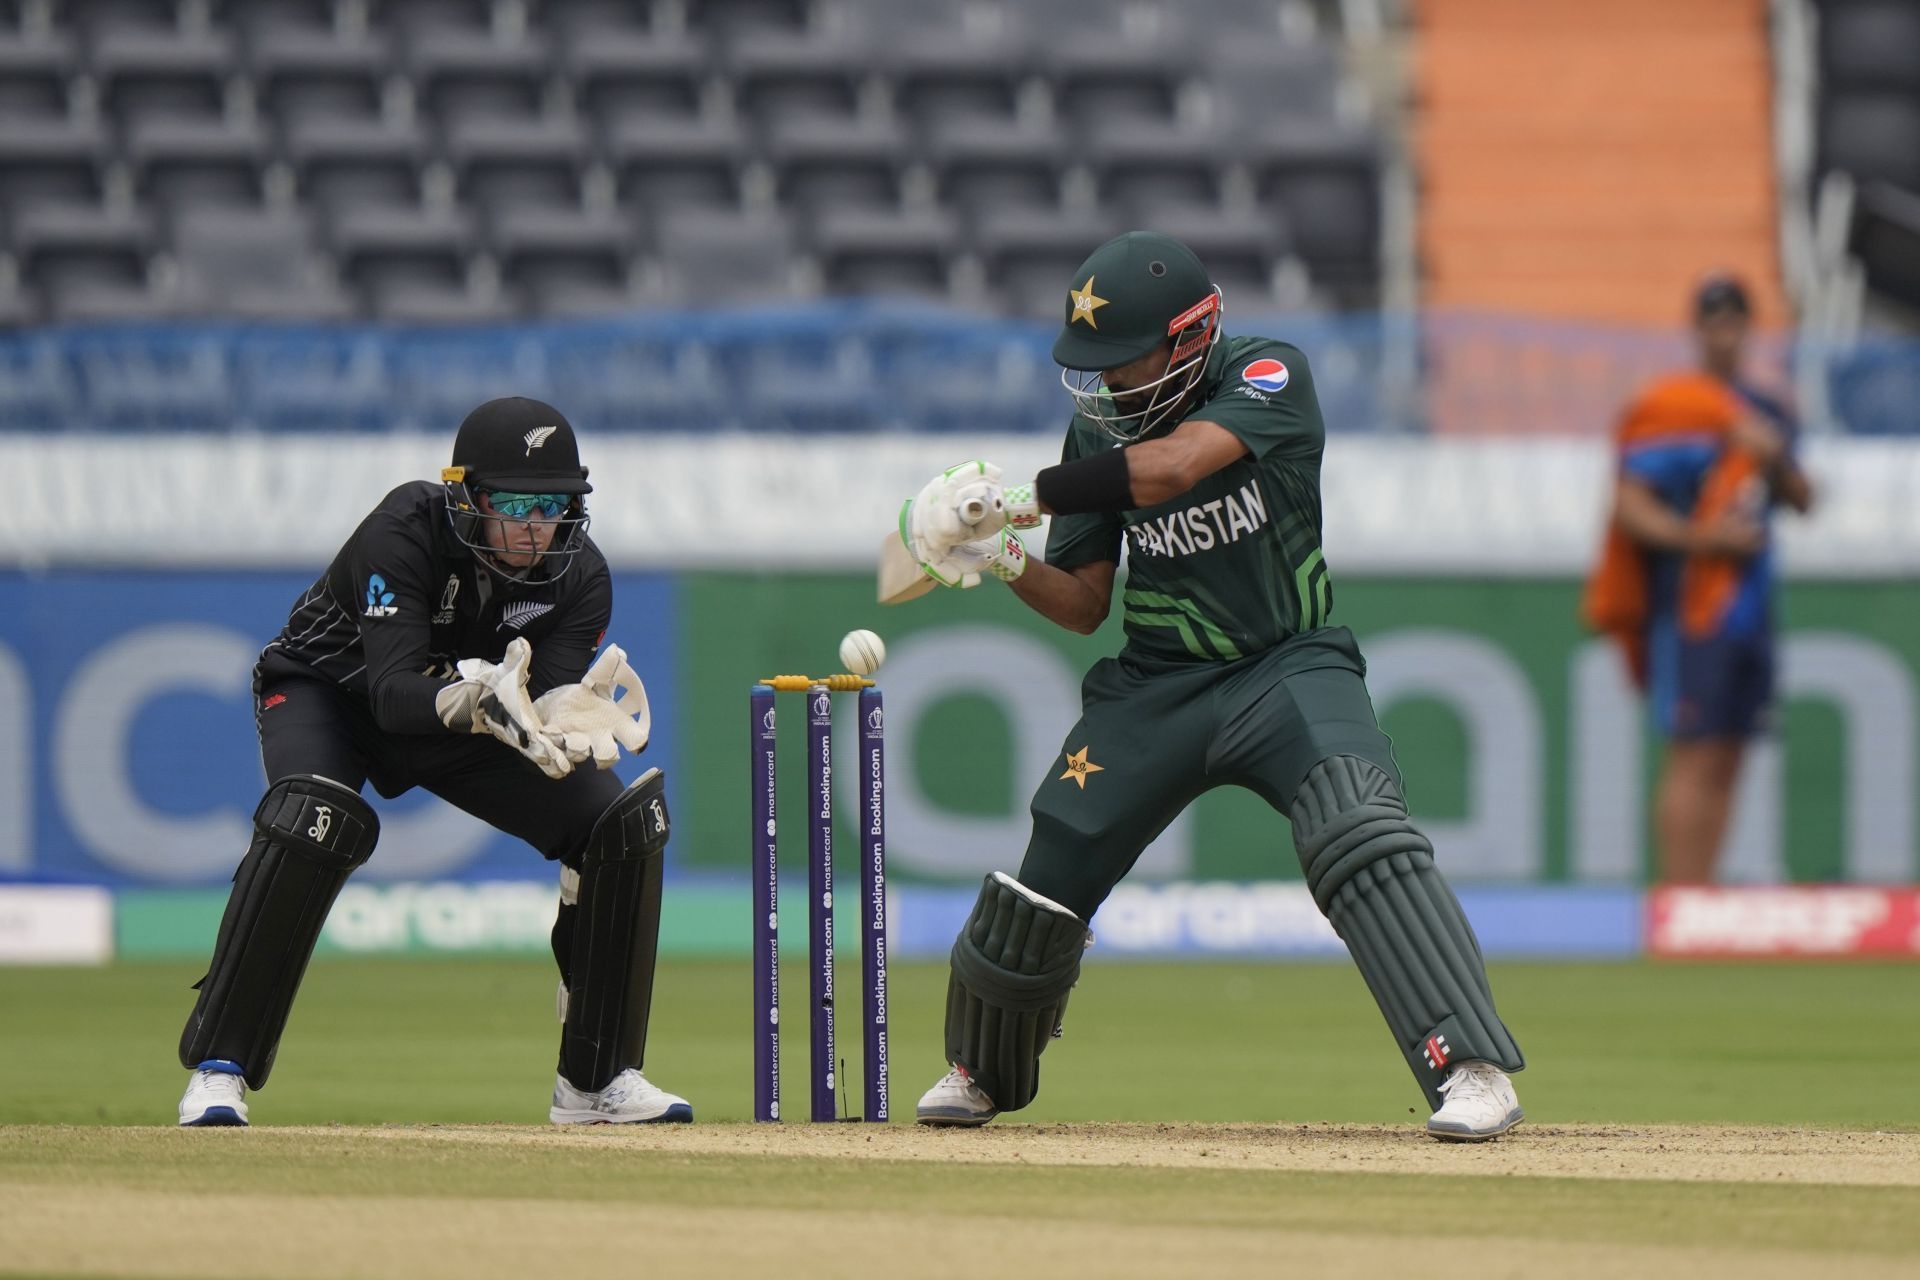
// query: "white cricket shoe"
[[955, 1101], [629, 1098], [1480, 1105], [216, 1095]]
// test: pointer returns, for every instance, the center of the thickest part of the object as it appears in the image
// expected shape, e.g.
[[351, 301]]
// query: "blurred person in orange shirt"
[[1686, 580]]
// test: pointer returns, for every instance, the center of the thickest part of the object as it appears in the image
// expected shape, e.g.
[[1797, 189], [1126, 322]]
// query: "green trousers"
[[1153, 737]]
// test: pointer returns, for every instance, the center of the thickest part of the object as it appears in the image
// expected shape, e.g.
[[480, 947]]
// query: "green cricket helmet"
[[1131, 296]]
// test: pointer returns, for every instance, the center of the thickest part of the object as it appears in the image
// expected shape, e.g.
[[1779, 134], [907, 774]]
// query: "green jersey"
[[1233, 566]]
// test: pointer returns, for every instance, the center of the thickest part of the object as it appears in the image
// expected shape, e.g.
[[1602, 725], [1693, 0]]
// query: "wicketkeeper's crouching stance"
[[450, 645], [1231, 676]]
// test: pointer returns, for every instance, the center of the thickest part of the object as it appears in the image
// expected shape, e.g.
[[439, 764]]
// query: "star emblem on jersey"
[[1085, 304], [1078, 767]]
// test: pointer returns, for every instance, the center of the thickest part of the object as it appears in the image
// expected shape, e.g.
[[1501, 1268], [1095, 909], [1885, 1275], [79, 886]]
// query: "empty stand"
[[406, 158], [305, 73], [344, 163], [884, 252], [628, 73], [242, 262]]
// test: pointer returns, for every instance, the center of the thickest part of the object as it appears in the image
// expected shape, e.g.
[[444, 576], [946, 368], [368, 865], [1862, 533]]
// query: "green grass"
[[426, 1041]]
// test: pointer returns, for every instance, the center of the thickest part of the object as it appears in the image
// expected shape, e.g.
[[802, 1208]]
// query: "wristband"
[[1098, 482], [1022, 507]]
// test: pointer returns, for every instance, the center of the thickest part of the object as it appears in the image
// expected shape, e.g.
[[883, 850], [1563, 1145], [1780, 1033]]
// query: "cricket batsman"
[[450, 645], [1200, 454]]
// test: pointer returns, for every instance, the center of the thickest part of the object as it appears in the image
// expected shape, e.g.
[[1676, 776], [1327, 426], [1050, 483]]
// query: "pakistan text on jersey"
[[1202, 527]]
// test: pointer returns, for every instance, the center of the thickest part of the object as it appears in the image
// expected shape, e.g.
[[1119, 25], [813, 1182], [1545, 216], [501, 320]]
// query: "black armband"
[[1098, 482]]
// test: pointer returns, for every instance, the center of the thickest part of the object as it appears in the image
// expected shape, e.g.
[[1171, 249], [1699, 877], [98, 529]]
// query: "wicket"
[[766, 893]]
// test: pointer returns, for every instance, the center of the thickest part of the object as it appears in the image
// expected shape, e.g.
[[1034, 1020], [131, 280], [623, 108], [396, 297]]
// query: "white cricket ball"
[[862, 652]]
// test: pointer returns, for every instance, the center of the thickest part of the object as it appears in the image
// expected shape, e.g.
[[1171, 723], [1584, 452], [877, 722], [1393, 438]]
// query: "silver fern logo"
[[537, 437], [518, 616]]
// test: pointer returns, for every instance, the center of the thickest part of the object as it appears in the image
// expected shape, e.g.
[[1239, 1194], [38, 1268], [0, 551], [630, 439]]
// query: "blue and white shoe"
[[215, 1096], [1481, 1104], [629, 1098], [955, 1101]]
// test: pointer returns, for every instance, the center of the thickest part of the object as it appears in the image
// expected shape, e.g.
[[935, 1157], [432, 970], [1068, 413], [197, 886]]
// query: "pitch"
[[1752, 1120]]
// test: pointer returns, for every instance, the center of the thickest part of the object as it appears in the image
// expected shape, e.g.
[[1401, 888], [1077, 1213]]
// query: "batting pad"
[[1014, 962], [616, 934], [310, 835], [1373, 874]]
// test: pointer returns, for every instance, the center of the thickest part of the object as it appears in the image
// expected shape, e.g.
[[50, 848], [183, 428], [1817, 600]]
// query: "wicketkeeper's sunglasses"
[[519, 506]]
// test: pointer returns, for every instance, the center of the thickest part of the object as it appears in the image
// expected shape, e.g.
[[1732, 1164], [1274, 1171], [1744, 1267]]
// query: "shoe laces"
[[625, 1087], [209, 1078], [1470, 1082]]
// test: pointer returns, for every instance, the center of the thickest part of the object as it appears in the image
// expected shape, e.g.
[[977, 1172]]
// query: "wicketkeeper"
[[1201, 455], [450, 645]]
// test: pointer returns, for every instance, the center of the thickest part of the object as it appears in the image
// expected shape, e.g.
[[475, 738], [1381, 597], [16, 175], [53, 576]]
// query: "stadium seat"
[[19, 309], [1325, 179], [506, 163], [778, 74], [711, 257], [1870, 44], [1885, 237], [403, 300], [253, 19], [945, 72], [564, 262], [91, 17], [1872, 134], [241, 262], [1030, 255], [352, 163], [667, 162], [982, 164], [379, 250], [1103, 71], [830, 161], [1256, 80], [34, 70], [865, 251], [145, 73], [1142, 163], [50, 161], [577, 18], [70, 248], [464, 75], [737, 15], [623, 74], [304, 74], [417, 16], [178, 162]]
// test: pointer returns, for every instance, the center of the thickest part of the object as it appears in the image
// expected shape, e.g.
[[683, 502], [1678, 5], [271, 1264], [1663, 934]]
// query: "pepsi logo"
[[1267, 375]]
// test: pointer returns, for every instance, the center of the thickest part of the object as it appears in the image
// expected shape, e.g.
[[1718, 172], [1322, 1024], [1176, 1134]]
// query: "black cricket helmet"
[[524, 448], [1132, 294]]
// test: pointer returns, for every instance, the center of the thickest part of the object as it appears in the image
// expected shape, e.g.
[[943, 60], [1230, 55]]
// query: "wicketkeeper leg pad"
[[1373, 875], [310, 833], [1016, 959], [616, 933]]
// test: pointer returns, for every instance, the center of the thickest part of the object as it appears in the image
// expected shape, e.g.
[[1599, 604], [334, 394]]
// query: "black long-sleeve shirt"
[[403, 601]]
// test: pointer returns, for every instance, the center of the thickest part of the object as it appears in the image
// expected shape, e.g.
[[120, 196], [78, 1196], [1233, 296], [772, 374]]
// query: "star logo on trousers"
[[1078, 767]]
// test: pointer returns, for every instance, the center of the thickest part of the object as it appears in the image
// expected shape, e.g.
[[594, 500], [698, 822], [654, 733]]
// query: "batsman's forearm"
[[1060, 597]]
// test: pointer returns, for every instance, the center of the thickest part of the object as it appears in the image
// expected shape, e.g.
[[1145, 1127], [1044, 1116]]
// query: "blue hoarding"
[[127, 747]]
